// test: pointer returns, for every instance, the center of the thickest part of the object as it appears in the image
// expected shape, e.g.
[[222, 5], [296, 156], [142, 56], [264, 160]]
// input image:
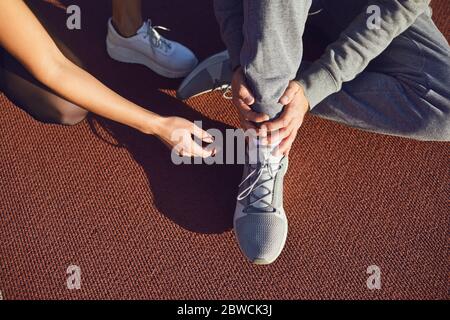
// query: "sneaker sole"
[[126, 55], [215, 59]]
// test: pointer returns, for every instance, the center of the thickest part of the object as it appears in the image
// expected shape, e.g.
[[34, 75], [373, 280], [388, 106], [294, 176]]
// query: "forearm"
[[344, 59], [81, 88], [22, 35]]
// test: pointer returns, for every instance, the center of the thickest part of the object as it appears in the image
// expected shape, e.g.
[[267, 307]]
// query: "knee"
[[71, 116], [433, 128], [38, 101], [61, 113]]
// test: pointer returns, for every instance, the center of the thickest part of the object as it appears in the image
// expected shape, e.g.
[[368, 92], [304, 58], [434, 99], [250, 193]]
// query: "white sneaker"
[[167, 58]]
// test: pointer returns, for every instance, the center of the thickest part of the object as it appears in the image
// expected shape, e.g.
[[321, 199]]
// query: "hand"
[[177, 133], [242, 100], [285, 127]]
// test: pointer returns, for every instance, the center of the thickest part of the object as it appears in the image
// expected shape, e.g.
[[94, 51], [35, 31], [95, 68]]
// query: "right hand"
[[243, 99], [177, 134]]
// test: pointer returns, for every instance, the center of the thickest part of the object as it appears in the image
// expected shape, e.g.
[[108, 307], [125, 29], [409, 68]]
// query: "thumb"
[[289, 93]]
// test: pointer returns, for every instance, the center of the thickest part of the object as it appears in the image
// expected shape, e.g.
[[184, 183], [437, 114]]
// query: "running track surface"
[[107, 198]]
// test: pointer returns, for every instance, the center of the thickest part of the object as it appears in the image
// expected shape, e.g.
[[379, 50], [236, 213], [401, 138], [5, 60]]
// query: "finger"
[[249, 114], [240, 105], [183, 153], [280, 135], [202, 134], [197, 151], [261, 132], [244, 93], [285, 145], [256, 117], [256, 132], [247, 125], [283, 133], [290, 93], [282, 122]]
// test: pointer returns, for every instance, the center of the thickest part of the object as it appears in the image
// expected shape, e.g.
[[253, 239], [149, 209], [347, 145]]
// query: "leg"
[[130, 40], [37, 100], [380, 103], [272, 49], [127, 16], [270, 57], [33, 97], [404, 92]]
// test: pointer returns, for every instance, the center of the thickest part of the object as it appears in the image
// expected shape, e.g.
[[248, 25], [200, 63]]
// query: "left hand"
[[285, 127], [242, 100]]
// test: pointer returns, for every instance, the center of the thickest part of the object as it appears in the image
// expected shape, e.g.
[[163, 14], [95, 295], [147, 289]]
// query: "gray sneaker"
[[260, 222], [212, 74]]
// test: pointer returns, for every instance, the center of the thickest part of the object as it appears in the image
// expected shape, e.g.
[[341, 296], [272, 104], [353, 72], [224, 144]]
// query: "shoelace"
[[227, 92], [156, 40], [315, 12], [258, 172], [224, 87]]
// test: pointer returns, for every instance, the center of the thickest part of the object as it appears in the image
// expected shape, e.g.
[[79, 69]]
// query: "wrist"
[[302, 92], [152, 124]]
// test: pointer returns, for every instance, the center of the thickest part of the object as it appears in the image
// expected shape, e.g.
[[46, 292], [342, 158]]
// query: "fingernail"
[[284, 100]]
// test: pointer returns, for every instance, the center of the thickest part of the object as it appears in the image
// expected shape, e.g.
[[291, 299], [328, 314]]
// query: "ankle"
[[126, 28]]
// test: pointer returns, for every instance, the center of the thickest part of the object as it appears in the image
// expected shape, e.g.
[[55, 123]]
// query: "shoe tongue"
[[258, 154], [263, 193], [143, 28]]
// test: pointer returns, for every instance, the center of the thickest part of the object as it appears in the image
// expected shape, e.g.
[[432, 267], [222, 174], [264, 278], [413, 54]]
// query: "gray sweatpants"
[[404, 91]]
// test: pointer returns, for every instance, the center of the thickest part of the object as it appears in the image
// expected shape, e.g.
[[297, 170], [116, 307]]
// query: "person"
[[132, 40], [386, 69], [52, 87]]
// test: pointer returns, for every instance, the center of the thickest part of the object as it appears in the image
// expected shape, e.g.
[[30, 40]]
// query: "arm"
[[24, 37], [230, 16], [344, 59]]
